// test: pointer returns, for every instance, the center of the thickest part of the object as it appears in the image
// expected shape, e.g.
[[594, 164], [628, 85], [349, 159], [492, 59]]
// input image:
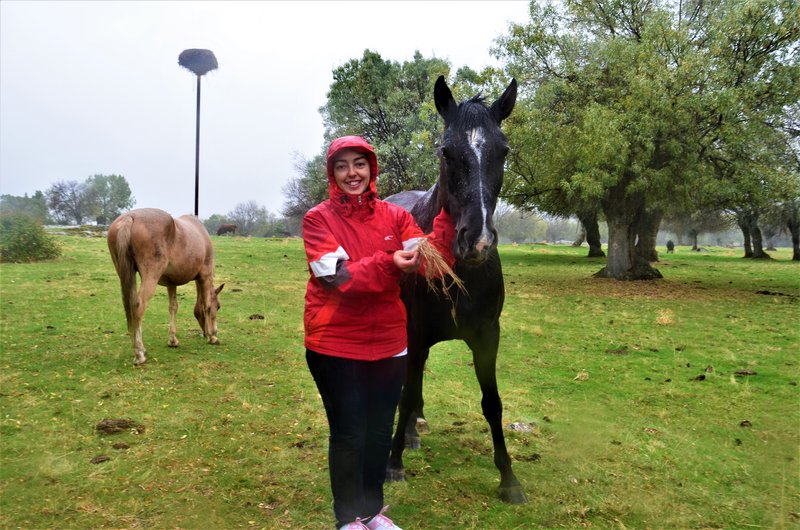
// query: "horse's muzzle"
[[475, 252]]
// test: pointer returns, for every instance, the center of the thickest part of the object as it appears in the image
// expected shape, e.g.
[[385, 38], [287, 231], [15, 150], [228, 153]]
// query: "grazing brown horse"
[[164, 251], [227, 228]]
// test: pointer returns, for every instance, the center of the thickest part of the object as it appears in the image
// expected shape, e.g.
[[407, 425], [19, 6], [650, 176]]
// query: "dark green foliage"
[[35, 206], [23, 240]]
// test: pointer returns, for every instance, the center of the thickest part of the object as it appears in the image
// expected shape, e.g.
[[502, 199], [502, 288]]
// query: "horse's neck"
[[427, 208]]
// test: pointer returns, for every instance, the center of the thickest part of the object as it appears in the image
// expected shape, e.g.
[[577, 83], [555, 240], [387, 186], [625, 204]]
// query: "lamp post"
[[199, 62]]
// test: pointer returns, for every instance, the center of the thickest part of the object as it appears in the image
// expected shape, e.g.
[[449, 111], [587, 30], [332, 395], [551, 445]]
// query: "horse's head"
[[207, 316], [472, 155]]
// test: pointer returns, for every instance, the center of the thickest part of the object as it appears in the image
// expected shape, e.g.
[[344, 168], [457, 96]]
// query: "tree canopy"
[[635, 108], [99, 198]]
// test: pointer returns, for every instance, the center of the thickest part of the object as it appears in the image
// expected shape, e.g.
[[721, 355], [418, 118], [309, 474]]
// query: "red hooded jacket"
[[352, 306]]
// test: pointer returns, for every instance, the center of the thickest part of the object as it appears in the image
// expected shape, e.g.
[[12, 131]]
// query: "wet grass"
[[668, 404]]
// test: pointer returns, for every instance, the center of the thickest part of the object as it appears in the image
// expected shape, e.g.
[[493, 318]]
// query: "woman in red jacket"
[[358, 247]]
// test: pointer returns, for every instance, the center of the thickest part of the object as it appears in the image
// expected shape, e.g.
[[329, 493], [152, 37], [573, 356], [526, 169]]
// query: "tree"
[[101, 198], [691, 225], [792, 217], [35, 206], [518, 226], [109, 196], [23, 240], [213, 223], [307, 190], [69, 202], [635, 104], [390, 105], [250, 218]]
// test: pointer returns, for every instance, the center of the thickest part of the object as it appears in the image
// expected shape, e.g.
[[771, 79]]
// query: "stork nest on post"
[[198, 61]]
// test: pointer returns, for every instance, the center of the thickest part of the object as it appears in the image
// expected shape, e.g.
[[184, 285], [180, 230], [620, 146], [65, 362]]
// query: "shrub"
[[23, 240]]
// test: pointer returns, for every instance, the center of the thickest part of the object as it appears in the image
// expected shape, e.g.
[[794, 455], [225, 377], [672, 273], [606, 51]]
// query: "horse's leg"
[[420, 423], [138, 307], [172, 291], [484, 354], [406, 418]]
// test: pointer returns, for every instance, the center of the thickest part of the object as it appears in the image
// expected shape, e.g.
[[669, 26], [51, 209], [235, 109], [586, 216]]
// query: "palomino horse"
[[164, 251], [472, 153]]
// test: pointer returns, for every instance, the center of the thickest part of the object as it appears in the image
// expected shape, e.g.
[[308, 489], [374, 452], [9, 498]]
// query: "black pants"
[[360, 399]]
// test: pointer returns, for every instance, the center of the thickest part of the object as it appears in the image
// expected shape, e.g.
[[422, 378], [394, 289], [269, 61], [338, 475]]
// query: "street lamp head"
[[200, 62]]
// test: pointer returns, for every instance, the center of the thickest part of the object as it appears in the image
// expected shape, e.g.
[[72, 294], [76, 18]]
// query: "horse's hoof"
[[395, 474], [173, 343], [413, 442], [138, 361], [422, 426], [512, 495], [213, 340]]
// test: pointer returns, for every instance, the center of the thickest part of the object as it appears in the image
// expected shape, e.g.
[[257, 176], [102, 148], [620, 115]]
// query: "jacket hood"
[[358, 144]]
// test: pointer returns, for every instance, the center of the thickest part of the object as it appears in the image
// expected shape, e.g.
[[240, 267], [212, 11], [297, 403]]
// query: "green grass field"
[[639, 418]]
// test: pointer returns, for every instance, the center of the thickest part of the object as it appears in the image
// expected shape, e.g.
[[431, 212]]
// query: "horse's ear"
[[501, 109], [219, 289], [445, 104]]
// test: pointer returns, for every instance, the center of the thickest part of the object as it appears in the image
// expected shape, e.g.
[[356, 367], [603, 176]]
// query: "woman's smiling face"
[[351, 171]]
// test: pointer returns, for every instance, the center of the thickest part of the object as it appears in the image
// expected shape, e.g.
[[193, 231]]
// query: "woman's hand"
[[406, 260]]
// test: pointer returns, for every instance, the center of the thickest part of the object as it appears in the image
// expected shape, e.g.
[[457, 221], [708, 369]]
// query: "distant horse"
[[228, 228], [472, 154], [164, 251]]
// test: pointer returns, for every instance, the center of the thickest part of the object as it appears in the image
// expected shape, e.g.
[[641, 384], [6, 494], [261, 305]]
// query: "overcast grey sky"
[[95, 88]]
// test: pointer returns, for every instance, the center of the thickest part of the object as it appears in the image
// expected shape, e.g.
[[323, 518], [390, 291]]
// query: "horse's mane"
[[471, 113]]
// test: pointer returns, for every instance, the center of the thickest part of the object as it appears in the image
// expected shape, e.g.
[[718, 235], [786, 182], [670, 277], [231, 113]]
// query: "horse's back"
[[406, 199], [419, 204]]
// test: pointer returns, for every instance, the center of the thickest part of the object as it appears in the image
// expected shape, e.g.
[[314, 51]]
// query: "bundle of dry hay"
[[438, 274]]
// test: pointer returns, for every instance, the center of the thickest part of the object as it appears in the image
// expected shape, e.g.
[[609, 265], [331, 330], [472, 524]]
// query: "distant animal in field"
[[227, 228], [166, 251], [670, 247], [471, 160]]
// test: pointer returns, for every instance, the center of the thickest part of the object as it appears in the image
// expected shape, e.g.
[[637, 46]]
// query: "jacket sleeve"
[[330, 264], [441, 237]]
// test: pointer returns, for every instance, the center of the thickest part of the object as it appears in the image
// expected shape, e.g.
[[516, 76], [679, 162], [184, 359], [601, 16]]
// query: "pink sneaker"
[[381, 522]]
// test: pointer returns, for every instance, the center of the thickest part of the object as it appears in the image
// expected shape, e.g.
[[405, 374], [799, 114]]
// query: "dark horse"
[[164, 251], [472, 154], [227, 228]]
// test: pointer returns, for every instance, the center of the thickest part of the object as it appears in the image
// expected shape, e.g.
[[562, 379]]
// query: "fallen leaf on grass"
[[665, 317], [582, 376]]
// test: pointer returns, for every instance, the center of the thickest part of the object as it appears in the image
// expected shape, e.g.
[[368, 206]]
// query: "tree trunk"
[[693, 236], [744, 226], [622, 213], [589, 222], [647, 231], [758, 244], [581, 236], [794, 229]]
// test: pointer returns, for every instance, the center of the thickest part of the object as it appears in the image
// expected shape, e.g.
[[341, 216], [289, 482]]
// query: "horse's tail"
[[125, 264]]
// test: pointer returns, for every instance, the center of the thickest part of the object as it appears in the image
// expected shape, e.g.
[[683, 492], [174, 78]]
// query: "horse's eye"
[[443, 153]]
